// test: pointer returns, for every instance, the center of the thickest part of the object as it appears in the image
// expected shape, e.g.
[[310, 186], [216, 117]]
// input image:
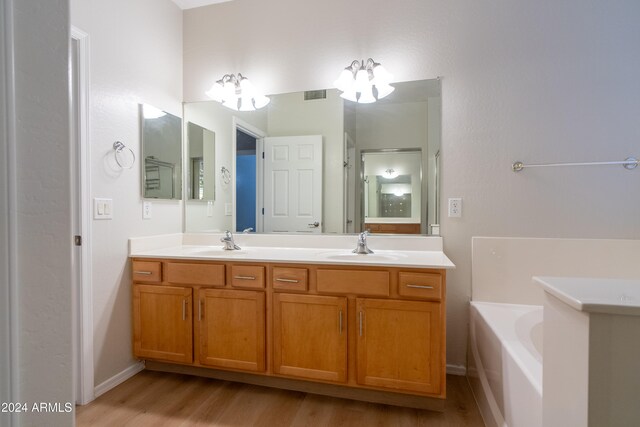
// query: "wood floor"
[[163, 399]]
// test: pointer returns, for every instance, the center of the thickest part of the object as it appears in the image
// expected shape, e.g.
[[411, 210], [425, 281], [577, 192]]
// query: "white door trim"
[[259, 134], [83, 339], [8, 213]]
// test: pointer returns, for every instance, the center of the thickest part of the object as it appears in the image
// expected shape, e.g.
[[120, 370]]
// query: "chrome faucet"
[[362, 244], [247, 230], [229, 244]]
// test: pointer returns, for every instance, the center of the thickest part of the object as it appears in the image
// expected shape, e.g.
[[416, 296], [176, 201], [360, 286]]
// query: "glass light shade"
[[384, 90], [381, 75], [246, 104], [231, 103], [229, 90], [151, 112], [261, 101], [390, 174], [349, 95], [366, 97], [216, 92], [362, 81], [345, 81], [398, 193], [246, 88]]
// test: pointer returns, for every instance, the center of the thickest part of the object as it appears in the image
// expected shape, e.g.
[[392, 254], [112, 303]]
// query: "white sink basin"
[[212, 252]]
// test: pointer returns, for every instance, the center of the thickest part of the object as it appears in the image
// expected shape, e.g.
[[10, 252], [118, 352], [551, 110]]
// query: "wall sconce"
[[237, 93], [390, 174], [358, 80]]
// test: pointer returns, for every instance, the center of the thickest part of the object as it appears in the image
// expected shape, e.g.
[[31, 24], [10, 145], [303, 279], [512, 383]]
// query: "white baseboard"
[[118, 379], [457, 370]]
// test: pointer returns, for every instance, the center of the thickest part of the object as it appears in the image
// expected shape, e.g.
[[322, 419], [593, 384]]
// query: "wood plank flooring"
[[164, 399]]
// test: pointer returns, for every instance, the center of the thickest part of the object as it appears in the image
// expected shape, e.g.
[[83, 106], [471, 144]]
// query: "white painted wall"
[[219, 119], [136, 57], [290, 115], [539, 81], [35, 191]]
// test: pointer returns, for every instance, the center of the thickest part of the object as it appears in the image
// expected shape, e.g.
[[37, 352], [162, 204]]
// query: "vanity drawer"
[[195, 274], [360, 282], [420, 285], [247, 276], [147, 271], [291, 279]]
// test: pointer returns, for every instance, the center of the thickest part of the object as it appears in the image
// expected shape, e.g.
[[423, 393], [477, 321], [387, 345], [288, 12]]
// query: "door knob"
[[314, 225]]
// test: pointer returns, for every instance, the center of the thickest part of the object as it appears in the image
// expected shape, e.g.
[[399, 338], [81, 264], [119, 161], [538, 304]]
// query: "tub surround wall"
[[503, 267], [136, 57]]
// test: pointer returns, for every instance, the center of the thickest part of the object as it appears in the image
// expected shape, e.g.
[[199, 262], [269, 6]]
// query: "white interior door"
[[293, 184]]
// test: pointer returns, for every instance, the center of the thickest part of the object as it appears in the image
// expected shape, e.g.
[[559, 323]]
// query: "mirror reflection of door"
[[246, 183], [293, 184], [201, 166]]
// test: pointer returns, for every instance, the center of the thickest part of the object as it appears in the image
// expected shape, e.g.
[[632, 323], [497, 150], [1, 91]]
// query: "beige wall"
[[533, 81], [136, 57]]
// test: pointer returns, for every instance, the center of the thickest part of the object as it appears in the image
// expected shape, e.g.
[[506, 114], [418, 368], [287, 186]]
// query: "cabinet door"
[[232, 329], [162, 323], [310, 336], [399, 345]]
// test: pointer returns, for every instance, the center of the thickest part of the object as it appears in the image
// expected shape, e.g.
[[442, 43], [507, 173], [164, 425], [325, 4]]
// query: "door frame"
[[84, 388], [259, 135], [9, 366]]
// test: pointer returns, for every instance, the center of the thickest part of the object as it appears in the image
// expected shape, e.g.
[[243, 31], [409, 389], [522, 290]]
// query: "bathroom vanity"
[[300, 318]]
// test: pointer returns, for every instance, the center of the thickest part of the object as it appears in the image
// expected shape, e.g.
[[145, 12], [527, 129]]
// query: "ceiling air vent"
[[315, 94]]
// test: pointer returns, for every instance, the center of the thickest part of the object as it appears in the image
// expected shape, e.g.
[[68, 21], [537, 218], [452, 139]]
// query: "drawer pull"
[[199, 309], [245, 277], [184, 309], [420, 286], [340, 322], [360, 323], [146, 273], [287, 280]]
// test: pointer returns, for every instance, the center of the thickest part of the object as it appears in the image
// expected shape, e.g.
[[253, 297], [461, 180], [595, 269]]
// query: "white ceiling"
[[190, 4]]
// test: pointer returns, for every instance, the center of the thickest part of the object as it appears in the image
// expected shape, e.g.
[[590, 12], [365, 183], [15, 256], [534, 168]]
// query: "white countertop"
[[611, 296], [182, 247]]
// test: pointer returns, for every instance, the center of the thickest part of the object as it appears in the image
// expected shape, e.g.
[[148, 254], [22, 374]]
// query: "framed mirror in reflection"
[[318, 163], [161, 154]]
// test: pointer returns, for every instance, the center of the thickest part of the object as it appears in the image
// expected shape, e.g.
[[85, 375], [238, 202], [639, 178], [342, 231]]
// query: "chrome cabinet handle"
[[420, 286], [340, 322], [199, 309], [146, 273], [278, 279], [184, 309], [245, 277], [360, 323]]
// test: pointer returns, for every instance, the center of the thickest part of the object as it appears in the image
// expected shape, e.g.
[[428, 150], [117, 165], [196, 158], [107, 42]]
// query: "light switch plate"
[[228, 209], [209, 207], [102, 208]]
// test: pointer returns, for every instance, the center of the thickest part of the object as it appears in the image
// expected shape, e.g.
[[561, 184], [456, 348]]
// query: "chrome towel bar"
[[629, 163]]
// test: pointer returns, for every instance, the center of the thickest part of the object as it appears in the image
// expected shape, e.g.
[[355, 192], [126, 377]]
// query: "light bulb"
[[366, 97], [398, 193], [261, 101], [345, 81]]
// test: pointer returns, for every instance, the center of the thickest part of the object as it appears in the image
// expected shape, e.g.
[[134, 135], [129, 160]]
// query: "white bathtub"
[[505, 363]]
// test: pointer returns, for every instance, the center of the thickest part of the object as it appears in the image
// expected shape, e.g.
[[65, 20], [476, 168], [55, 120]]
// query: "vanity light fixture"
[[237, 93], [357, 82], [390, 174]]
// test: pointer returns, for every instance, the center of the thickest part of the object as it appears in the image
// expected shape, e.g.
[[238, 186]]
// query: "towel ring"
[[226, 175], [121, 160]]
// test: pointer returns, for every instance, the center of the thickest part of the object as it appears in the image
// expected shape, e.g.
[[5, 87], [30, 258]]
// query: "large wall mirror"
[[312, 162], [161, 154]]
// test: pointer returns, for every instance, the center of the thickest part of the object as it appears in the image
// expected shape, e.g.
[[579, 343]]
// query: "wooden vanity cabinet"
[[398, 345], [231, 329], [364, 328], [162, 323], [310, 337]]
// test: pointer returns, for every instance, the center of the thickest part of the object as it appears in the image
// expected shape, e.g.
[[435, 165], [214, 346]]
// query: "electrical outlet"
[[455, 208], [146, 209]]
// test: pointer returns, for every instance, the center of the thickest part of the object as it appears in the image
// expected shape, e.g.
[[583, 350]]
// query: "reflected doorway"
[[246, 184]]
